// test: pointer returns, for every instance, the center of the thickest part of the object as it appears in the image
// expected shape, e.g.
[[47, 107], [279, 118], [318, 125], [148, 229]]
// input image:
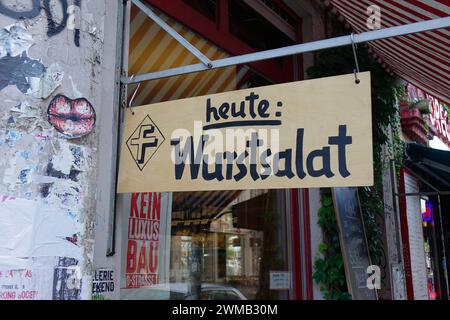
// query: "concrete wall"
[[57, 82]]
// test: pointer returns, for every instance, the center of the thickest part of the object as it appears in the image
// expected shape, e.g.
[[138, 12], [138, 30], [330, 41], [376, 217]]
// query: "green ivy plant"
[[328, 267]]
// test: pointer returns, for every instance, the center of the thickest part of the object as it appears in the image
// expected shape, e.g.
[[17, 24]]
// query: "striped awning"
[[422, 59], [153, 49]]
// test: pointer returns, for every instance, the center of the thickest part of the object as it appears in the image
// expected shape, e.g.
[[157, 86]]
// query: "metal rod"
[[295, 49], [414, 194], [431, 174], [436, 165], [206, 62], [394, 190]]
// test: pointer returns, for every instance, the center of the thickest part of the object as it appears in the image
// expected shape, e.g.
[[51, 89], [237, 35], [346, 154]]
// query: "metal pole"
[[206, 62], [122, 70], [293, 50]]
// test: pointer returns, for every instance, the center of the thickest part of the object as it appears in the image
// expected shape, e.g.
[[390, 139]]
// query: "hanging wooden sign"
[[315, 133]]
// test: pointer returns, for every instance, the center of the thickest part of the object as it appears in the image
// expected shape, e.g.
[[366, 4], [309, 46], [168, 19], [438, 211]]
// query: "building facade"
[[65, 234]]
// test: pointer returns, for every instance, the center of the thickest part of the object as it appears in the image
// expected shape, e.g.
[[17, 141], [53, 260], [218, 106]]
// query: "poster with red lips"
[[73, 118]]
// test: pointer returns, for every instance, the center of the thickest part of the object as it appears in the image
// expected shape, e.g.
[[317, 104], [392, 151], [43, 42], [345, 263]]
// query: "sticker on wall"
[[72, 118]]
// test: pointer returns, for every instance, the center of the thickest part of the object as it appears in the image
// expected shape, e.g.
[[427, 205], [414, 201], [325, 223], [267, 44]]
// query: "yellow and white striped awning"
[[153, 49]]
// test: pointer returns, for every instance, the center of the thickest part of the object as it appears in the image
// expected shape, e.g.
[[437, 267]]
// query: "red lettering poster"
[[146, 243]]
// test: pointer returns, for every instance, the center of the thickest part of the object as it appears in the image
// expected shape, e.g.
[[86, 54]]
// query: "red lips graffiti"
[[73, 118]]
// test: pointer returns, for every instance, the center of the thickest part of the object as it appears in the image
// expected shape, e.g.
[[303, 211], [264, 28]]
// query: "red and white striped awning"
[[422, 59]]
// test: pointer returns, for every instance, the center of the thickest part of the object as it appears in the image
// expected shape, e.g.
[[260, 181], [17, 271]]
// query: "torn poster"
[[16, 227], [31, 229], [14, 40], [67, 280], [73, 118], [44, 86], [18, 71]]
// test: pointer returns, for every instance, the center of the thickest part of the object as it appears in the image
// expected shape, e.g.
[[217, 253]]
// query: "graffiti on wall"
[[70, 15], [72, 118], [16, 71]]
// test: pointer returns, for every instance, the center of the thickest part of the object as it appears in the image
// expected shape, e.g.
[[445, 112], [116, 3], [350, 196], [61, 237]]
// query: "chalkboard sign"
[[353, 242]]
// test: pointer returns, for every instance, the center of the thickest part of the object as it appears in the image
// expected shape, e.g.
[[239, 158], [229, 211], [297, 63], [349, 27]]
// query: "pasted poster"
[[39, 251], [146, 244]]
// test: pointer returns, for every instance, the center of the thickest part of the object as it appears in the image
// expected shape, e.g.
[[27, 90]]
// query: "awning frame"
[[273, 53]]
